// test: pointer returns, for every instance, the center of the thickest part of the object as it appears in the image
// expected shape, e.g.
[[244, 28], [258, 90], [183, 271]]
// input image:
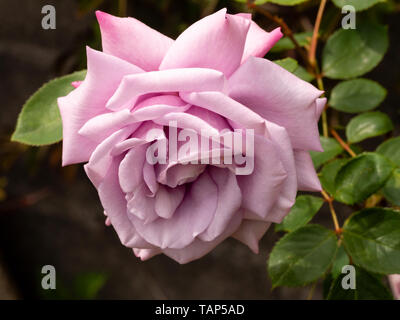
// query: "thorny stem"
[[314, 39], [330, 200], [312, 289], [285, 29], [342, 143]]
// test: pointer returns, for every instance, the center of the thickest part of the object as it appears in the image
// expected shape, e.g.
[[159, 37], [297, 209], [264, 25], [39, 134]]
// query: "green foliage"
[[39, 122], [357, 95], [302, 256], [361, 176], [372, 238], [368, 125], [368, 287], [391, 190], [301, 213], [391, 149], [341, 260], [281, 2], [288, 63], [359, 5], [353, 52], [328, 175], [331, 149], [285, 43]]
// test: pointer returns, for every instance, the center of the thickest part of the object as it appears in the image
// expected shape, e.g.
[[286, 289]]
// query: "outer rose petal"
[[216, 41], [250, 233], [394, 280], [280, 97], [199, 248], [258, 41], [133, 41], [113, 201], [307, 178], [88, 100]]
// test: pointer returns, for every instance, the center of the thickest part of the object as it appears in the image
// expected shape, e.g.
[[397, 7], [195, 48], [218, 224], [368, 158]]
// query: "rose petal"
[[307, 178], [174, 80], [133, 41], [229, 201], [216, 42], [280, 97], [250, 232], [191, 218], [258, 41], [88, 100]]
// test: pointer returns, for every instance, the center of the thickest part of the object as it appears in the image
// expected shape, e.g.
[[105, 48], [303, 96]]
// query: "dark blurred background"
[[51, 215]]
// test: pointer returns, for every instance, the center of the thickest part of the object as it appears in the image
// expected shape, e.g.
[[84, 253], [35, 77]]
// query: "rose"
[[394, 280], [211, 78]]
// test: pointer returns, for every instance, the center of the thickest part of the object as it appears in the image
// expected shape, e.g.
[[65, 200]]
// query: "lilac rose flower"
[[211, 79]]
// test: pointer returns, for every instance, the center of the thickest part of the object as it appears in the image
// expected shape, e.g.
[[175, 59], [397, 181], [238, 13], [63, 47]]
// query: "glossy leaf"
[[357, 95], [302, 256], [39, 122], [328, 175], [331, 149], [368, 125], [288, 63], [372, 239], [391, 190], [353, 52], [391, 149], [303, 74], [359, 5], [368, 287], [341, 260], [286, 43], [301, 213], [362, 176]]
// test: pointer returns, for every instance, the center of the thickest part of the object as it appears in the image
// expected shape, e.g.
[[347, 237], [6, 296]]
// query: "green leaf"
[[368, 287], [328, 174], [87, 285], [301, 213], [281, 2], [286, 44], [353, 52], [359, 5], [39, 122], [362, 176], [357, 95], [288, 63], [368, 125], [391, 190], [331, 149], [341, 260], [372, 239], [391, 149], [302, 256], [303, 74]]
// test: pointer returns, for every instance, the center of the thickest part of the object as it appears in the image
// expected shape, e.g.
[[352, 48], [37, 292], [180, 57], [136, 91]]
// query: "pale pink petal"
[[307, 178], [88, 100], [113, 201], [280, 97], [225, 106], [168, 200], [250, 232], [174, 80], [394, 280], [191, 218], [262, 188], [216, 42], [199, 248], [258, 41], [133, 41], [146, 254], [102, 157], [229, 201]]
